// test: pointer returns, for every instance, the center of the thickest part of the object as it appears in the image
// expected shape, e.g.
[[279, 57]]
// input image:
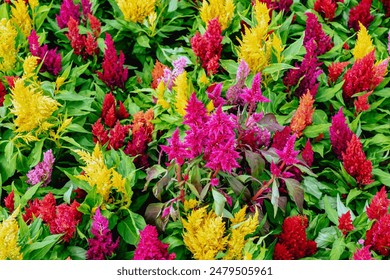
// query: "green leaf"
[[313, 131], [77, 253], [29, 194], [326, 237], [36, 153], [129, 228], [256, 163], [275, 196], [143, 41], [353, 193], [38, 250], [296, 192], [219, 202], [331, 212], [341, 209], [338, 249], [383, 177]]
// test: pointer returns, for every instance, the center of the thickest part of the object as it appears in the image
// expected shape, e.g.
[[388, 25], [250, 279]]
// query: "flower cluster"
[[345, 223], [340, 134], [9, 248], [136, 10], [314, 32], [42, 171], [360, 13], [304, 115], [221, 9], [8, 49]]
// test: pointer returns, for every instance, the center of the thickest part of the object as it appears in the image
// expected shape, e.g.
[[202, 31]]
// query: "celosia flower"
[[378, 237], [100, 134], [46, 208], [42, 171], [379, 205], [303, 116], [208, 47], [362, 254], [20, 16], [327, 8], [363, 44], [293, 243], [31, 108], [204, 234], [114, 74], [68, 10], [29, 65], [361, 102], [314, 32], [279, 5], [356, 163], [181, 89], [150, 247], [306, 74], [335, 70], [170, 75], [360, 13], [9, 248], [345, 223], [308, 154], [234, 93], [86, 6], [254, 95], [254, 136], [388, 42], [288, 155], [91, 45], [3, 92], [281, 137], [33, 4], [8, 50], [31, 211], [386, 7], [9, 201], [110, 113], [221, 9], [102, 244], [136, 10], [95, 25], [340, 133], [190, 204], [77, 41], [117, 136], [176, 149], [66, 220], [157, 73]]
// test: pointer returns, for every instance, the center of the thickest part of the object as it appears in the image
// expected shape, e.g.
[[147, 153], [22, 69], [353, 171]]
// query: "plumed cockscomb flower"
[[68, 9], [9, 201], [66, 220], [223, 157], [114, 74], [288, 155], [254, 95], [9, 247], [279, 5], [102, 244], [345, 223], [170, 76], [47, 208], [379, 205], [77, 41], [150, 247], [221, 9], [3, 92], [360, 13], [117, 136], [42, 171], [314, 32], [335, 70], [293, 240], [361, 102], [308, 154], [340, 133], [214, 94], [386, 7], [356, 163], [100, 134], [362, 254], [86, 6], [303, 117], [176, 149], [235, 92], [363, 44], [327, 8], [208, 47], [157, 73], [280, 138], [378, 237]]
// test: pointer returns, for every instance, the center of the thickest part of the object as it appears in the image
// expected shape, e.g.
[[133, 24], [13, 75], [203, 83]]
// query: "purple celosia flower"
[[254, 95], [288, 155], [86, 7], [314, 31], [234, 92], [363, 254], [388, 43], [68, 9], [176, 149], [340, 134], [170, 75], [102, 245], [214, 93], [280, 138], [150, 247], [42, 171]]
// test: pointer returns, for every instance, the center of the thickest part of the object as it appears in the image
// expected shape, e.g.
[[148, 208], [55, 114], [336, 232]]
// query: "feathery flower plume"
[[9, 248], [9, 201], [30, 63], [170, 76], [378, 237], [214, 93], [288, 155], [292, 242], [208, 47], [361, 102], [326, 8], [386, 7], [303, 117], [335, 70], [114, 74], [8, 50], [68, 10], [308, 154], [314, 31], [221, 9], [42, 171], [102, 244], [345, 223], [176, 149], [340, 133], [254, 95], [362, 254], [234, 93], [20, 16], [66, 220], [157, 73], [363, 44], [31, 108], [3, 92], [277, 5], [136, 10], [86, 6], [77, 41], [356, 163], [379, 205], [204, 234], [181, 89], [150, 247], [281, 137], [360, 13]]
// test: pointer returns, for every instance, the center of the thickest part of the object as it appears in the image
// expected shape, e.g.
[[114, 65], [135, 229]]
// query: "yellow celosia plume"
[[8, 51], [181, 89], [136, 10], [9, 248], [20, 17], [160, 95], [221, 9], [363, 43]]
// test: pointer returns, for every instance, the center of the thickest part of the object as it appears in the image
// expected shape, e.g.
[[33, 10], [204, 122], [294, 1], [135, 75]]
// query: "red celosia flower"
[[277, 5], [379, 205], [3, 92], [150, 247], [47, 208], [356, 163], [308, 154], [99, 133], [10, 202], [360, 13], [293, 240], [345, 223], [363, 254], [280, 138], [335, 70], [378, 237], [157, 73], [340, 133], [208, 47], [91, 46], [327, 8], [77, 41], [361, 102], [95, 25], [117, 136], [11, 80], [114, 74], [31, 211], [386, 7], [314, 31], [66, 220]]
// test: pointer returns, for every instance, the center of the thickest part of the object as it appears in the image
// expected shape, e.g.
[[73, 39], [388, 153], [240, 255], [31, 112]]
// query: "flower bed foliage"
[[218, 129]]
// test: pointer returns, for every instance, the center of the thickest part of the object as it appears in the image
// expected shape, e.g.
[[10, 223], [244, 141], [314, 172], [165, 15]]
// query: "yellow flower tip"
[[261, 13], [136, 10], [181, 88], [33, 4], [9, 248], [8, 50], [160, 90], [364, 43], [190, 204], [210, 106], [59, 82], [29, 66], [21, 17], [203, 80], [221, 9]]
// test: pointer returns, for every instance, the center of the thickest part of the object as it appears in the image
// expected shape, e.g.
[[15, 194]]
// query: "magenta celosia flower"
[[340, 133], [345, 223], [214, 93], [255, 137], [102, 244], [360, 13], [176, 149], [223, 157], [314, 32], [150, 247], [280, 5], [42, 171], [77, 41], [68, 9], [208, 47], [86, 6], [114, 74], [305, 75], [235, 92], [378, 237], [280, 138], [66, 220], [308, 154], [170, 75], [379, 205], [278, 172], [386, 7], [327, 8], [3, 92], [288, 155], [363, 254], [254, 95], [356, 163]]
